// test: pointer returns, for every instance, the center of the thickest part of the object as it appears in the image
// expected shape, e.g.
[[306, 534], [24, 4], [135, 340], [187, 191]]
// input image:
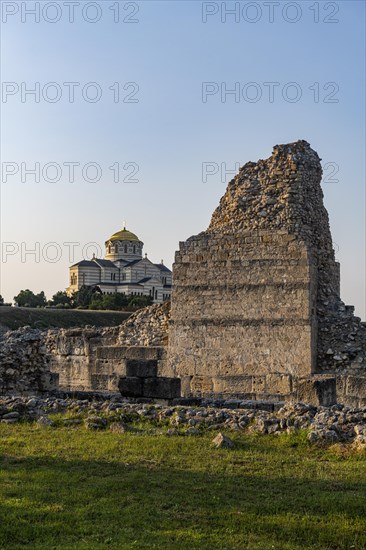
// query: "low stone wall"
[[351, 390], [324, 425], [115, 362], [80, 359], [72, 354], [325, 390], [94, 359]]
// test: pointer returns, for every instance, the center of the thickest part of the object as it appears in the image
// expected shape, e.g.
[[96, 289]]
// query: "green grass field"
[[12, 318], [68, 488]]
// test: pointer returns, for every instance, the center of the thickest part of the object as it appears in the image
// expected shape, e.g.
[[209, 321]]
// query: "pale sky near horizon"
[[297, 69]]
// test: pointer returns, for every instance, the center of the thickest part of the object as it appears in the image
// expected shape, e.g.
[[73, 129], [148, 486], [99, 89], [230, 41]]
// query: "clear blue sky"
[[169, 132]]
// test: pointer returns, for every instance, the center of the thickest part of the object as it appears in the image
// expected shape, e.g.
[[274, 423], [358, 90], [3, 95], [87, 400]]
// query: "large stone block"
[[161, 388], [100, 382], [49, 381], [141, 368], [130, 386], [121, 353], [107, 366], [279, 383], [232, 384], [316, 391], [201, 384], [185, 384], [356, 386], [258, 384]]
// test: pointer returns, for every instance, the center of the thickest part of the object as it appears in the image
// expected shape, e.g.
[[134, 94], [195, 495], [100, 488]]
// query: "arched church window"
[[109, 249], [115, 249], [134, 249], [125, 248]]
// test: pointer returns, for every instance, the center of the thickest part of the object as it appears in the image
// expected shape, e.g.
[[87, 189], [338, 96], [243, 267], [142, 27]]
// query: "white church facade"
[[123, 269]]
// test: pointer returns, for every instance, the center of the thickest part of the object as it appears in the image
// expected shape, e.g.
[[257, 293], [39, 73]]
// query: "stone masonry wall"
[[258, 292], [253, 288]]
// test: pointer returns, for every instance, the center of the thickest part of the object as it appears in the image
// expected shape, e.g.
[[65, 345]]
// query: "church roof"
[[105, 263], [162, 267], [123, 235], [144, 280], [133, 262], [96, 262], [118, 284], [85, 263]]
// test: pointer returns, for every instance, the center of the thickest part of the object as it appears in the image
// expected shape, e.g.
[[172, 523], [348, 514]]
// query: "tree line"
[[87, 297]]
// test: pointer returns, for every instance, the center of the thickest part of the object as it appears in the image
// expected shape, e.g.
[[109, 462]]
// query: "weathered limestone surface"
[[255, 305], [243, 304], [24, 362]]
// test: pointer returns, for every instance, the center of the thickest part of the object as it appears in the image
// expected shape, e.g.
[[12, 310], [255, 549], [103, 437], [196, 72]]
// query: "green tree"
[[83, 296], [1, 300], [89, 297], [27, 298], [96, 301], [61, 298], [116, 301]]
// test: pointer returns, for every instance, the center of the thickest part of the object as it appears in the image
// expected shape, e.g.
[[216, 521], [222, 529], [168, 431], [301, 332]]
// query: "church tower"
[[123, 246]]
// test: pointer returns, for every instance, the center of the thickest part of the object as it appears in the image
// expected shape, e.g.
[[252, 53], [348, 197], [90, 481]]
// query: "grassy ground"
[[68, 488], [12, 318]]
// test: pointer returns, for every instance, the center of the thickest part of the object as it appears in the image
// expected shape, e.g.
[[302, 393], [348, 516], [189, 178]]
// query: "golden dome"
[[123, 235]]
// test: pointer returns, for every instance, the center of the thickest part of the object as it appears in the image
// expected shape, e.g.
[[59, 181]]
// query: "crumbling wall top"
[[282, 192]]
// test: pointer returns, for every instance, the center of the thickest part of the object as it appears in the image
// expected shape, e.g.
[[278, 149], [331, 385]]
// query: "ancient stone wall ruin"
[[256, 311], [84, 359], [95, 359], [256, 307]]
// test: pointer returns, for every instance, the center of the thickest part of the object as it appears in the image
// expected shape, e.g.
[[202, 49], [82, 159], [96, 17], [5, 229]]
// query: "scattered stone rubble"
[[325, 425], [23, 361], [146, 327]]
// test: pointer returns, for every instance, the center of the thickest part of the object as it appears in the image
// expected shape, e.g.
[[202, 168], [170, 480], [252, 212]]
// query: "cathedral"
[[123, 269]]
